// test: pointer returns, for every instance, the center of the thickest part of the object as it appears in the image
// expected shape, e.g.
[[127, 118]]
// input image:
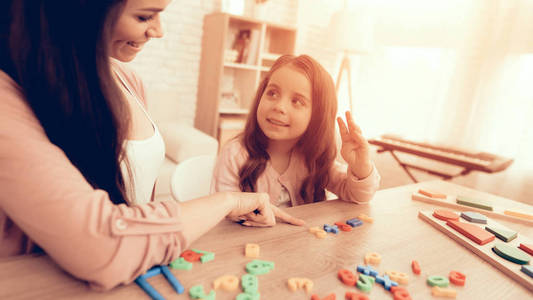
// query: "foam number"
[[457, 278], [438, 281], [443, 292], [399, 277], [258, 267], [191, 256], [197, 292], [226, 282], [328, 297], [347, 277], [400, 293], [365, 282], [251, 250], [249, 283], [355, 296], [299, 283], [372, 258]]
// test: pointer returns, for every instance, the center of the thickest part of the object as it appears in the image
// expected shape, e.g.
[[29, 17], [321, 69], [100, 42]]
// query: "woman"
[[70, 120]]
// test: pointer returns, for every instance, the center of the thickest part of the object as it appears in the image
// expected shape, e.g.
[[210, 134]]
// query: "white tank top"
[[145, 159]]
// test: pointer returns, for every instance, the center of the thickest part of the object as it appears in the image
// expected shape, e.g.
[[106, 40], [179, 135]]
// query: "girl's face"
[[138, 23], [285, 107]]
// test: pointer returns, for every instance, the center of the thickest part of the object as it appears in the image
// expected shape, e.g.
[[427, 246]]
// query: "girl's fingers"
[[351, 124], [342, 129]]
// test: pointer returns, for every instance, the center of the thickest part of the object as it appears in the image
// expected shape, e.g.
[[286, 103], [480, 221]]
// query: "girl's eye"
[[145, 18], [272, 93], [298, 102]]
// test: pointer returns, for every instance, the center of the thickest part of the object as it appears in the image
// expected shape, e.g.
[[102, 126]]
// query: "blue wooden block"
[[474, 217], [331, 228], [141, 281], [354, 222], [386, 282], [528, 270], [367, 270], [152, 272], [172, 280]]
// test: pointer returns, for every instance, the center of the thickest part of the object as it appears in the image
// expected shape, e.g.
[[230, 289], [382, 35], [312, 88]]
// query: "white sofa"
[[182, 141]]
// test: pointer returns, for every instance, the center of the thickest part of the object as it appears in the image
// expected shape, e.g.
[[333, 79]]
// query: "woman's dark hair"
[[317, 144], [57, 52]]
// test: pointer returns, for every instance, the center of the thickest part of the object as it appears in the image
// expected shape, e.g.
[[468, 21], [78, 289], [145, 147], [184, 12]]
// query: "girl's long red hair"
[[317, 144]]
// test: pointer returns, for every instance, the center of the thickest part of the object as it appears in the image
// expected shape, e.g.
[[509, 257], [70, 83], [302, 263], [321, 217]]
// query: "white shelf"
[[240, 66], [233, 111]]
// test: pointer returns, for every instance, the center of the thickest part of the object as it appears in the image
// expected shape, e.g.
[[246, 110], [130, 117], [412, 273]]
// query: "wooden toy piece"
[[365, 283], [191, 256], [399, 277], [343, 226], [251, 250], [511, 254], [485, 252], [474, 203], [497, 212], [296, 283], [355, 296], [503, 234], [457, 278], [174, 282], [474, 217], [258, 267], [331, 228], [436, 280], [443, 292], [226, 282], [354, 222], [365, 218], [518, 214], [472, 231], [367, 270], [314, 229], [372, 258], [445, 215], [527, 270], [416, 267], [400, 293], [206, 255], [386, 281], [328, 297], [181, 264], [432, 194], [347, 277], [147, 288], [527, 247], [250, 284]]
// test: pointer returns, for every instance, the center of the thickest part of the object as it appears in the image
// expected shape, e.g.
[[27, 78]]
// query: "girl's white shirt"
[[145, 158]]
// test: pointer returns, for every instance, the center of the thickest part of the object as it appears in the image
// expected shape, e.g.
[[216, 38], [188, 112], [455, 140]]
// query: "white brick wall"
[[169, 66]]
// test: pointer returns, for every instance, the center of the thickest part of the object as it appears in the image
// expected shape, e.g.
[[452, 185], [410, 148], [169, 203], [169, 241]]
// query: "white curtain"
[[454, 72]]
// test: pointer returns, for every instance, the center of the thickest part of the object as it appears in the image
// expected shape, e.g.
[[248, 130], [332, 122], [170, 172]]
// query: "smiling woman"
[[139, 22], [78, 152]]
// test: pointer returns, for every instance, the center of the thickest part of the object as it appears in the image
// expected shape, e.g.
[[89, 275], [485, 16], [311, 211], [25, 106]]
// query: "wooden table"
[[397, 234]]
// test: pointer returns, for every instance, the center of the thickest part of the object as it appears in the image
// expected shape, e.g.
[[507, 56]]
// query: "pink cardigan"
[[346, 186], [45, 200]]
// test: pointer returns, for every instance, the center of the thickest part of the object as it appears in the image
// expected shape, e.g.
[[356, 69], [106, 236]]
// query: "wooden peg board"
[[485, 252], [450, 202]]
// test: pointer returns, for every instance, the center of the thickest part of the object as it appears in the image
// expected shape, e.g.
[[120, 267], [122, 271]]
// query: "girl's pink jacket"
[[346, 186]]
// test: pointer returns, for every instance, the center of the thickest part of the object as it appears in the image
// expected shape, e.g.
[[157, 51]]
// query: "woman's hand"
[[255, 209], [355, 148]]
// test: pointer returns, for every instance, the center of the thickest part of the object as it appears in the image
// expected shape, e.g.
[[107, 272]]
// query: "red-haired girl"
[[288, 147]]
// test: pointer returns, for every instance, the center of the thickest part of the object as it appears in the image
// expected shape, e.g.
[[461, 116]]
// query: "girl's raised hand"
[[355, 148]]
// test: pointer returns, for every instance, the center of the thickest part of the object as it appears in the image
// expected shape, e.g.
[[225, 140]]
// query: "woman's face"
[[138, 23]]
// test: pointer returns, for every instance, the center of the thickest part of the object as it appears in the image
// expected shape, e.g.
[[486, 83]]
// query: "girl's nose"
[[281, 106]]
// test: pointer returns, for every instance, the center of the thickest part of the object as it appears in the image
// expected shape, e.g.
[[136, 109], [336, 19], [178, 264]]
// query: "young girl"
[[288, 148]]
